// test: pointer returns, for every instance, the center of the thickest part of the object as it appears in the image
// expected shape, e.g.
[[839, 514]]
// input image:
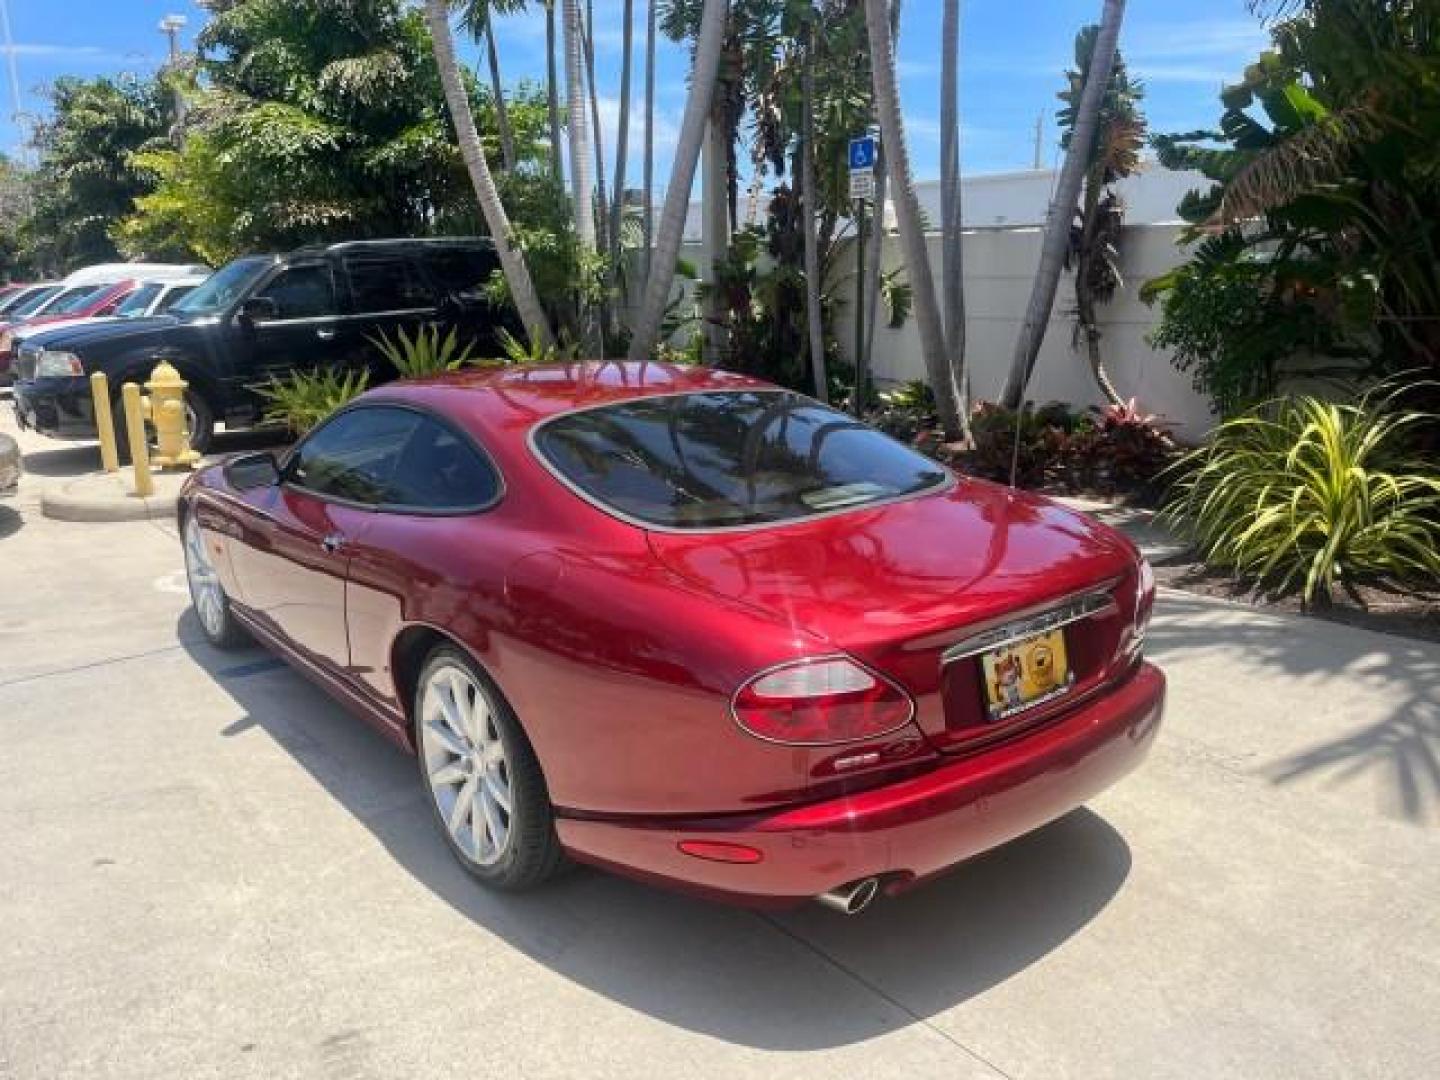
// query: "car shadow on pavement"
[[1404, 744], [79, 458], [800, 980], [11, 521]]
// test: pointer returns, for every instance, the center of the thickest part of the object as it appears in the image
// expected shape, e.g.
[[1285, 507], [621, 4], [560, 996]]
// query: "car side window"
[[354, 456], [301, 292], [464, 273], [441, 471], [387, 284]]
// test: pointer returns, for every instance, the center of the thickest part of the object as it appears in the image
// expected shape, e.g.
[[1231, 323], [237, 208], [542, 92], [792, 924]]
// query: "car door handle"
[[325, 335], [333, 543]]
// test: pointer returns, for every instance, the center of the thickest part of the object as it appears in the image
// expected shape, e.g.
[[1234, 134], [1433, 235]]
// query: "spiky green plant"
[[515, 351], [1311, 493], [427, 353], [304, 398]]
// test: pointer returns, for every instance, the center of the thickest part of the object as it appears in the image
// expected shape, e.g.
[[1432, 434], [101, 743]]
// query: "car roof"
[[516, 397]]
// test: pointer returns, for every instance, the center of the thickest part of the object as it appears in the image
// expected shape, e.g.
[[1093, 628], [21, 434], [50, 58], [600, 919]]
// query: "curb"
[[103, 497]]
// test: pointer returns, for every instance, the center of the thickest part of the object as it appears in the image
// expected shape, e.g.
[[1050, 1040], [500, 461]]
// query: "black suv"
[[263, 316]]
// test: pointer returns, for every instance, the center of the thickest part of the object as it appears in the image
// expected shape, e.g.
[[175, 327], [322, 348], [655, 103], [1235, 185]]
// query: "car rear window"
[[729, 458]]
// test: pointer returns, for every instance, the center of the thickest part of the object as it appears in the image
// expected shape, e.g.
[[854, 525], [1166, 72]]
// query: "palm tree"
[[597, 141], [952, 225], [1096, 233], [709, 44], [552, 94], [907, 213], [810, 208], [512, 261], [478, 18], [581, 184], [622, 139], [649, 213], [1062, 208]]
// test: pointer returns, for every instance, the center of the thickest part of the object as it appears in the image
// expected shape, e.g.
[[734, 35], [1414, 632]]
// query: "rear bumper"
[[60, 408], [906, 831]]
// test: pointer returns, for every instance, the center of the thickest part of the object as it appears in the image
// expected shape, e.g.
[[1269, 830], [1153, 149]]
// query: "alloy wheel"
[[206, 592], [465, 763]]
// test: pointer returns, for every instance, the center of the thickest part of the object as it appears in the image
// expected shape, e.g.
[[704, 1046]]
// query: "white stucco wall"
[[999, 270]]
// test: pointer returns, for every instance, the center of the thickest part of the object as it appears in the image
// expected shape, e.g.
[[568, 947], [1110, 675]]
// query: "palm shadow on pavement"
[[800, 980]]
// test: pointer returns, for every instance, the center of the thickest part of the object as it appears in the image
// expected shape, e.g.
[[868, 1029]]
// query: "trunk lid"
[[901, 586]]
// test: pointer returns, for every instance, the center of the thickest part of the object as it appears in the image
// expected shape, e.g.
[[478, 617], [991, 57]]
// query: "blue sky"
[[1013, 54]]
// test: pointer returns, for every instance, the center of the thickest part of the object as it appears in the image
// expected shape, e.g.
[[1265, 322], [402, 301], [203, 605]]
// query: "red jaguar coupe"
[[687, 626]]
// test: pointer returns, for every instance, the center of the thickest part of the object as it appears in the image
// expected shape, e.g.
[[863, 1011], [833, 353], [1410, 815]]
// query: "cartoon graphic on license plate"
[[1025, 674]]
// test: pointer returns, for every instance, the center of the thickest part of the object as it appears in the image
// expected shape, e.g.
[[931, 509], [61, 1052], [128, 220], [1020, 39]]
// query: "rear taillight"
[[1144, 601], [816, 702]]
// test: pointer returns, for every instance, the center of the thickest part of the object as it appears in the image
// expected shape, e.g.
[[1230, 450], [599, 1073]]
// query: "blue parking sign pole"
[[862, 154], [862, 172]]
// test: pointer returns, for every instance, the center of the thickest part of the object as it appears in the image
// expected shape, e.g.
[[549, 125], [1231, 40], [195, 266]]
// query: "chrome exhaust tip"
[[853, 898]]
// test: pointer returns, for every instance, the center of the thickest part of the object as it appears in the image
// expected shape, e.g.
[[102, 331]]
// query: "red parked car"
[[687, 626]]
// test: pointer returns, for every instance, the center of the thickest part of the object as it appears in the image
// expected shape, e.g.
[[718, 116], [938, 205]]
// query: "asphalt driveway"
[[207, 869]]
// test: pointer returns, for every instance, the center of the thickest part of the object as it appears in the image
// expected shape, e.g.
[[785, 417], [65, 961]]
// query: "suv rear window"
[[715, 460]]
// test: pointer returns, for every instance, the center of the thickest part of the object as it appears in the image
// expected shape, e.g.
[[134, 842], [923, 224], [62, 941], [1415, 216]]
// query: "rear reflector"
[[719, 851], [821, 702]]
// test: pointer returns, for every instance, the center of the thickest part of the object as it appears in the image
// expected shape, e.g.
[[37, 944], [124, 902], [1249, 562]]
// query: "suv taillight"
[[821, 701]]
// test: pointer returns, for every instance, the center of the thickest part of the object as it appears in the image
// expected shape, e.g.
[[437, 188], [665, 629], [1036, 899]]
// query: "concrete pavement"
[[208, 869]]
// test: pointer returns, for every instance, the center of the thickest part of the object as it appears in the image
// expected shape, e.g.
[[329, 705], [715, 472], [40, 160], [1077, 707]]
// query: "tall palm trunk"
[[706, 67], [512, 261], [649, 212], [1086, 318], [907, 214], [497, 91], [622, 141], [552, 93], [578, 126], [815, 323], [952, 247], [1062, 209], [598, 133]]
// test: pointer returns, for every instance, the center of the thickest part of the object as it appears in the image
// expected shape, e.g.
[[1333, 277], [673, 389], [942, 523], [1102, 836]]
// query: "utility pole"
[[1039, 142], [10, 61], [170, 26]]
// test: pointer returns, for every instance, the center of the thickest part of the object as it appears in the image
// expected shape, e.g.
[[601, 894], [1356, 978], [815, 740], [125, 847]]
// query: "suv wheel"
[[199, 420]]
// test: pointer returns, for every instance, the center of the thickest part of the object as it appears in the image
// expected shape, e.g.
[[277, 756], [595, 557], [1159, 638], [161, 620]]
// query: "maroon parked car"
[[686, 625]]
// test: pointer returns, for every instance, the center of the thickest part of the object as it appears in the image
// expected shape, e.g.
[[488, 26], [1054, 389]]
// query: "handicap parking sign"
[[862, 154]]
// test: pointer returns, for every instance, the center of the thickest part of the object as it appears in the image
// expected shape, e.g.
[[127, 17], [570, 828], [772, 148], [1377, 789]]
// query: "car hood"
[[118, 331], [865, 578]]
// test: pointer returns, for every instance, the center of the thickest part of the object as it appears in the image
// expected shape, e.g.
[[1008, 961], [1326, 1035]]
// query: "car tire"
[[198, 413], [482, 777], [207, 593]]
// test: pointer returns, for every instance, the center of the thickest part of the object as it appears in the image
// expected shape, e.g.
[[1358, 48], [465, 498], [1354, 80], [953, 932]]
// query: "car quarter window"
[[381, 284], [439, 470], [301, 292], [462, 272], [353, 456]]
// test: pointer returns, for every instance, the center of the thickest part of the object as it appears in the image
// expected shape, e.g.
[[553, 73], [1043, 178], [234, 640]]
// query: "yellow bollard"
[[139, 445], [104, 421]]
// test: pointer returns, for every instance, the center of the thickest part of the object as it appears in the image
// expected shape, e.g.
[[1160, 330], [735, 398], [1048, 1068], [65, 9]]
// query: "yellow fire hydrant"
[[165, 408]]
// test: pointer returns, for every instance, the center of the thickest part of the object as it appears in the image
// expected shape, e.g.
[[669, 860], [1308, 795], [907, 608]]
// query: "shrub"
[[304, 398], [1044, 437], [1118, 448], [1310, 493], [427, 353]]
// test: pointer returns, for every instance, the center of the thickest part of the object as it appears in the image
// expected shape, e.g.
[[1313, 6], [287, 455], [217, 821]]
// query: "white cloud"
[[82, 54]]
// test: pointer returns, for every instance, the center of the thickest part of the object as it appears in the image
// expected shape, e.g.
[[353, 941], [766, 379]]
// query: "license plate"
[[1026, 673]]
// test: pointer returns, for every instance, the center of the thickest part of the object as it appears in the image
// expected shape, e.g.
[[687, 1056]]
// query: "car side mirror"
[[250, 471], [259, 309]]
